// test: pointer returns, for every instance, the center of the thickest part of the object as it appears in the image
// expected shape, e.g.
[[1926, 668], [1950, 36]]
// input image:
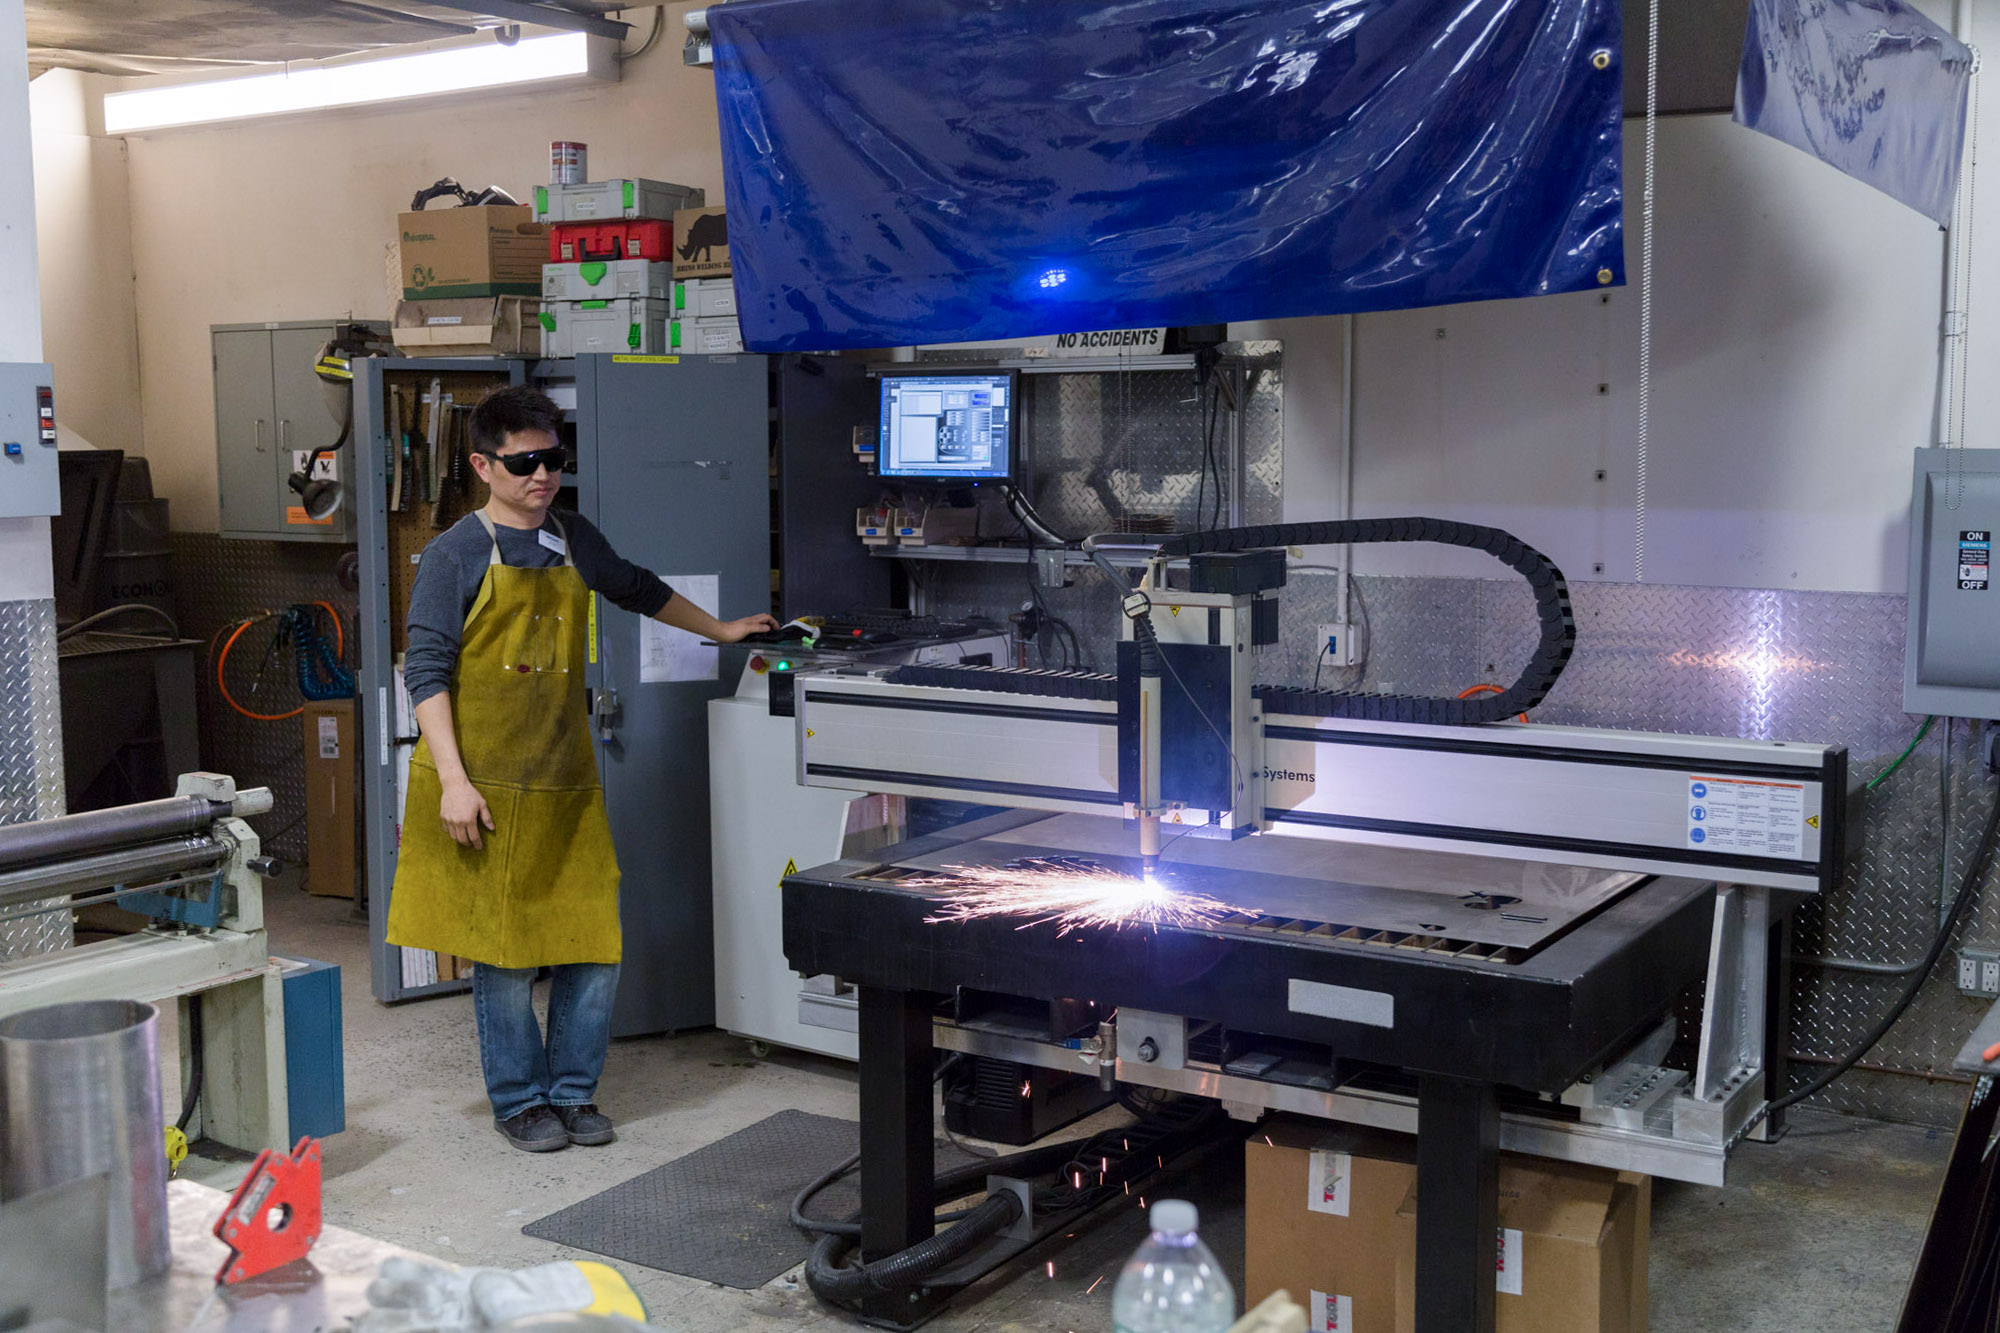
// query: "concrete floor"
[[1818, 1232]]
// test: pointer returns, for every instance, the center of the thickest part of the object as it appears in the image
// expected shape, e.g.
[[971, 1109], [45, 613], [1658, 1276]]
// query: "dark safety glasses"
[[524, 465]]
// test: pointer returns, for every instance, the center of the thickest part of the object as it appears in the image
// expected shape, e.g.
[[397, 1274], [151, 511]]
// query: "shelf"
[[1039, 365], [997, 555]]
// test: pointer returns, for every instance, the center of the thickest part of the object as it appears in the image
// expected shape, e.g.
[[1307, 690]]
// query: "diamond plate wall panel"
[[1763, 664], [1105, 446], [220, 582], [1263, 424], [31, 763]]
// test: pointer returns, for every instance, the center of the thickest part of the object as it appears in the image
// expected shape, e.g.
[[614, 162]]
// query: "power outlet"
[[1336, 646], [1979, 972]]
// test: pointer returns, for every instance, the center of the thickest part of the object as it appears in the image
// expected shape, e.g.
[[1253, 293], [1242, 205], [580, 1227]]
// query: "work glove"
[[411, 1297]]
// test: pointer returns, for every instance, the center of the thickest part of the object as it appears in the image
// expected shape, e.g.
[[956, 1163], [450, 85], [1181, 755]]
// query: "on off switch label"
[[1975, 559]]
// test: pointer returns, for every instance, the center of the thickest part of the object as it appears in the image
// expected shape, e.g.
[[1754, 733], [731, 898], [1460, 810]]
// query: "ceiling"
[[1700, 40], [160, 36]]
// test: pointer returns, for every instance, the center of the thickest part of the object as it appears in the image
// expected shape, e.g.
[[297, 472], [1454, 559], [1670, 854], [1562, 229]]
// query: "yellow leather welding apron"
[[544, 889]]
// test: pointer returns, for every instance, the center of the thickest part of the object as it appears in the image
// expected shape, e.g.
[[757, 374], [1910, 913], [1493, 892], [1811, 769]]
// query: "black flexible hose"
[[1161, 1135], [1967, 891], [949, 1185], [830, 1280], [1552, 606], [197, 1060]]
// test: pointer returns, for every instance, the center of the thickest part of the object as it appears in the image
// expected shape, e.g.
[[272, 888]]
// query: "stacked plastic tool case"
[[612, 283]]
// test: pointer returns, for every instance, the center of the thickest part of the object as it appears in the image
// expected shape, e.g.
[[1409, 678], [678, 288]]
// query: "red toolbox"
[[629, 238]]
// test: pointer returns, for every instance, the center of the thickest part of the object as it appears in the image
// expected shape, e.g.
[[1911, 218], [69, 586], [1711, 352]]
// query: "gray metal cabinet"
[[269, 408], [245, 432], [677, 476], [673, 465]]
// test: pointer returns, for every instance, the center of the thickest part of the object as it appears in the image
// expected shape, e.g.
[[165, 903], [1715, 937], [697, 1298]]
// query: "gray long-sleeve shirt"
[[454, 565]]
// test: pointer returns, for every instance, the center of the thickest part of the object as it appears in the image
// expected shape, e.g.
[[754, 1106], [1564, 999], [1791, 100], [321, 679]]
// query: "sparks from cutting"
[[1070, 897]]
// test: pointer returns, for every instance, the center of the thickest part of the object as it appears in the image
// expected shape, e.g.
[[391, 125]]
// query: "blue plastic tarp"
[[917, 171], [1870, 87]]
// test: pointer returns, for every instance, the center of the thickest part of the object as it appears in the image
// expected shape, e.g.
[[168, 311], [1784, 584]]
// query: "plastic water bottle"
[[1173, 1284]]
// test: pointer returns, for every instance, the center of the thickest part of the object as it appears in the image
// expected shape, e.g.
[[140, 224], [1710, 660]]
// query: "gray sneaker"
[[534, 1130], [586, 1125]]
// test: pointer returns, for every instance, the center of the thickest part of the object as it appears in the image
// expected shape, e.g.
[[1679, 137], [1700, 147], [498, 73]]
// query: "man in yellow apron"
[[506, 854]]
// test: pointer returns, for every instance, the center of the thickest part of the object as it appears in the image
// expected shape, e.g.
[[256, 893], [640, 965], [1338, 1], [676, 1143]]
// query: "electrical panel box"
[[1951, 654], [28, 479], [271, 413]]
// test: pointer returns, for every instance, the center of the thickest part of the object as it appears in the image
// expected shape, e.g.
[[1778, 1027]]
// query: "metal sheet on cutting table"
[[1344, 884]]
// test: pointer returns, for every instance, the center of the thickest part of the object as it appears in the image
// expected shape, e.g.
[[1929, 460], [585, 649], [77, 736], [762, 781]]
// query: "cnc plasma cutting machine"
[[1394, 911]]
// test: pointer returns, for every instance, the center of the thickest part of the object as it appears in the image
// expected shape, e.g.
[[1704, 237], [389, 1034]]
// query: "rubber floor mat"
[[722, 1213]]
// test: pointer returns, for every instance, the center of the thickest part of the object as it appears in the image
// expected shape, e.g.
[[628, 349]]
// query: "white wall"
[[287, 219], [24, 542], [90, 327], [1796, 317]]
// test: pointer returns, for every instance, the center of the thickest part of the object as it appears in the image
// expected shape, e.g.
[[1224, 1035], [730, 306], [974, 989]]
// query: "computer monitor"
[[943, 427]]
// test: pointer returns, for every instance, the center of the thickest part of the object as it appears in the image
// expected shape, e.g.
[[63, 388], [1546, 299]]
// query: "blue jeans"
[[523, 1069]]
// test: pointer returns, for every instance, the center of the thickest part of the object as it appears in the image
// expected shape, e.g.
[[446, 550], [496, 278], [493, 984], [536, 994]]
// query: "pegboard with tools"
[[429, 482]]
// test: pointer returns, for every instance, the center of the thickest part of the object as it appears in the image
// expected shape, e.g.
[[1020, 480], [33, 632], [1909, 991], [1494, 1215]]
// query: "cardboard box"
[[602, 279], [627, 324], [330, 781], [711, 337], [450, 253], [1321, 1220], [705, 298], [479, 326], [701, 243], [604, 201], [1573, 1253], [1330, 1216]]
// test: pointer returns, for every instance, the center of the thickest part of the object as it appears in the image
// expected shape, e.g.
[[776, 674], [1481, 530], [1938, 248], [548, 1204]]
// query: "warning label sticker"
[[1747, 817], [1975, 559]]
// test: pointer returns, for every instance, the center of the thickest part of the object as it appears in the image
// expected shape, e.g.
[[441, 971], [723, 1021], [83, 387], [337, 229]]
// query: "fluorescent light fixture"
[[313, 87]]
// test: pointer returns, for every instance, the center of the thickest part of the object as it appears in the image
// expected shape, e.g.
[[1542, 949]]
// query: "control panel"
[[28, 483], [1952, 650]]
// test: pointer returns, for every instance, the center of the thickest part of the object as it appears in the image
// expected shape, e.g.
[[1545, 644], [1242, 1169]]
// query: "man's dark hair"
[[514, 408]]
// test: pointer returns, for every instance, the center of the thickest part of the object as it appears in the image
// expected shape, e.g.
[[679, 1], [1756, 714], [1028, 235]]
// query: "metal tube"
[[1149, 801], [119, 867], [46, 840], [79, 1097]]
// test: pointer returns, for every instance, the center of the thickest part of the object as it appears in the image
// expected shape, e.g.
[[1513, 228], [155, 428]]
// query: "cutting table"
[[1577, 968], [1436, 919]]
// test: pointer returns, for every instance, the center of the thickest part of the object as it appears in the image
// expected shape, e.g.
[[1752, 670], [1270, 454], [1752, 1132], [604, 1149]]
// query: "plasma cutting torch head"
[[1149, 844]]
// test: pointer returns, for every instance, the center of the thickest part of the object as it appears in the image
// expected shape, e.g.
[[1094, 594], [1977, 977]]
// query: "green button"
[[541, 201], [594, 305], [592, 272], [632, 336], [631, 194], [548, 320]]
